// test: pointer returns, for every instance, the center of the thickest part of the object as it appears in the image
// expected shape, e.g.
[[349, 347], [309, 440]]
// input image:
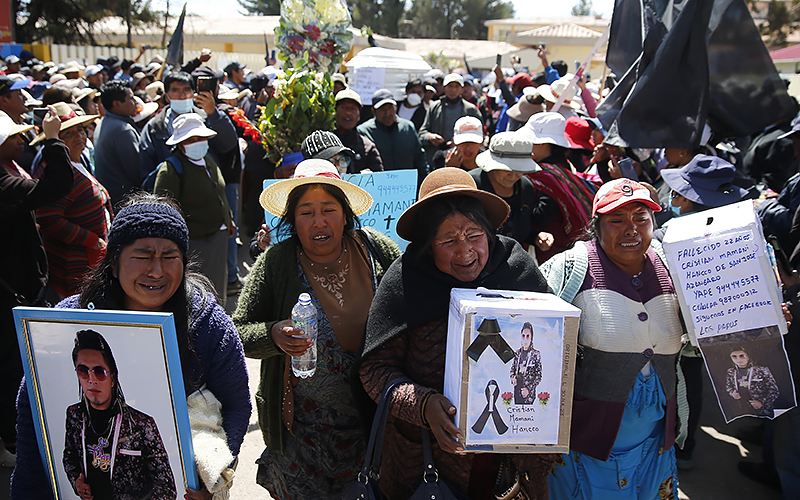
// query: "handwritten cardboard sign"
[[366, 81], [722, 272], [393, 192]]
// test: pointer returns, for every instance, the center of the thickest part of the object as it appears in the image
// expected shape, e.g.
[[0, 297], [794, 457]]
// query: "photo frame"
[[144, 349]]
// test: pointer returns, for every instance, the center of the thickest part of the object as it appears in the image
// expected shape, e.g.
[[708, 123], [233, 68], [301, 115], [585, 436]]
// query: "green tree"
[[73, 21], [383, 16], [781, 21], [261, 7], [582, 8], [455, 18]]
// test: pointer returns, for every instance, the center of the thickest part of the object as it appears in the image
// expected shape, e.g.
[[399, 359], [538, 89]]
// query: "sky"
[[524, 8]]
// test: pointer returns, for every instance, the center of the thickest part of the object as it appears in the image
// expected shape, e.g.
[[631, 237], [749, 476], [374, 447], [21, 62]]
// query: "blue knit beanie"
[[148, 220]]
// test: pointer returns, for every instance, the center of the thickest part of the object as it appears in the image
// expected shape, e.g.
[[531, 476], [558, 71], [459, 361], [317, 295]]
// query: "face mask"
[[197, 150], [676, 211], [413, 100], [181, 106]]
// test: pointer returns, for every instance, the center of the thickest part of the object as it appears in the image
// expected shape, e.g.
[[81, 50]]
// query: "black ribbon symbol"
[[491, 400], [489, 336]]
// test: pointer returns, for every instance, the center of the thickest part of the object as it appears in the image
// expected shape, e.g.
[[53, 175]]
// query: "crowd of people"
[[122, 182]]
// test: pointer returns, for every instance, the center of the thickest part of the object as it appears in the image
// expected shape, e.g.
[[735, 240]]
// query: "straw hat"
[[508, 151], [144, 109], [525, 108], [189, 125], [68, 119], [9, 128], [314, 171], [155, 90], [450, 181], [79, 94], [71, 67]]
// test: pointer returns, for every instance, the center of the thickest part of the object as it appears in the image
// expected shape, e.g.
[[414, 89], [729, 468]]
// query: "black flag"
[[707, 63], [175, 47]]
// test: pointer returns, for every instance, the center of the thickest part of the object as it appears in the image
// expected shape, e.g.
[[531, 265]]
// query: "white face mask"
[[197, 150], [413, 100], [181, 106]]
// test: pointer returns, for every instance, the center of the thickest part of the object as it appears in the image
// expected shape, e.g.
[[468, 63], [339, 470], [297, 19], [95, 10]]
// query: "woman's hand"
[[231, 229], [264, 238], [289, 340], [601, 153], [439, 413], [203, 494], [544, 241], [756, 404], [454, 158], [51, 125], [736, 395], [84, 490], [101, 244]]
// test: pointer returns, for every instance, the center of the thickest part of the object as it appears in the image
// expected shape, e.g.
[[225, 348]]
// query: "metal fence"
[[87, 55]]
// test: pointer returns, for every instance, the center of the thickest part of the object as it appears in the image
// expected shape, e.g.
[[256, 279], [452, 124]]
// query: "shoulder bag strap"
[[372, 460], [374, 249]]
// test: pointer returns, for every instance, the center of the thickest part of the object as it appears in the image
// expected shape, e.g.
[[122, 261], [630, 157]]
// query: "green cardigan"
[[201, 194], [268, 297]]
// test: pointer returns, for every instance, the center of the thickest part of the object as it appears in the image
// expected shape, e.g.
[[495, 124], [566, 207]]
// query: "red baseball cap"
[[618, 193], [521, 80]]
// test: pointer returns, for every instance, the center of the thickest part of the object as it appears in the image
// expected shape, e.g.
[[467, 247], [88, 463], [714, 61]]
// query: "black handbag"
[[366, 486]]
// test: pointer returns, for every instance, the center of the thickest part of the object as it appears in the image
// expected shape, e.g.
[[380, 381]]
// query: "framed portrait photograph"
[[108, 401], [750, 372]]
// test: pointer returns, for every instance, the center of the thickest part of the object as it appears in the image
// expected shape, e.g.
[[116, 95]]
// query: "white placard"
[[366, 81], [723, 283]]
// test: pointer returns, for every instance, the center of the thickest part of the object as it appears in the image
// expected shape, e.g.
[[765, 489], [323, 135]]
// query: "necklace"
[[109, 426], [332, 276], [330, 265]]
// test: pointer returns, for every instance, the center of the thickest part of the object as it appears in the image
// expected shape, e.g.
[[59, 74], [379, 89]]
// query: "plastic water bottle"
[[304, 317]]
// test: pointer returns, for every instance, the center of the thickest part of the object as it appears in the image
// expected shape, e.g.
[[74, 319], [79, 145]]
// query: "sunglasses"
[[100, 373]]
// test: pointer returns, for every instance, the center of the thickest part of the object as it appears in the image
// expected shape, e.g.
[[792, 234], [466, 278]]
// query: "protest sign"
[[366, 81], [722, 272], [392, 191], [725, 279], [509, 369]]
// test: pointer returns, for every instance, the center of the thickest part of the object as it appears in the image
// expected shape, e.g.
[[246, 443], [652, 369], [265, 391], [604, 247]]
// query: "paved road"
[[714, 477]]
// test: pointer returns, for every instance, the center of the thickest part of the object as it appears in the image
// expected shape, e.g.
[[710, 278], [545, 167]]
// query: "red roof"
[[786, 53]]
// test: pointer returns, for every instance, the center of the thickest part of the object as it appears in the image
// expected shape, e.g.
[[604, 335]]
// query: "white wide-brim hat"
[[509, 151], [313, 171], [546, 128], [189, 125]]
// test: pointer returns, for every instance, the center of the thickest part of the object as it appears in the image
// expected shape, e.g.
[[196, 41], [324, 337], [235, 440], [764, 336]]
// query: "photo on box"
[[510, 369], [515, 393], [108, 402], [750, 373]]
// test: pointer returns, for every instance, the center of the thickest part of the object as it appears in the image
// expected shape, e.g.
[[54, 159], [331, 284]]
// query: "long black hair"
[[92, 340]]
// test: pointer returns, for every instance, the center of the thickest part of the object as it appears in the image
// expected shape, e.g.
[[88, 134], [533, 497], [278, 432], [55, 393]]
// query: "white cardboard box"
[[722, 271], [532, 413]]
